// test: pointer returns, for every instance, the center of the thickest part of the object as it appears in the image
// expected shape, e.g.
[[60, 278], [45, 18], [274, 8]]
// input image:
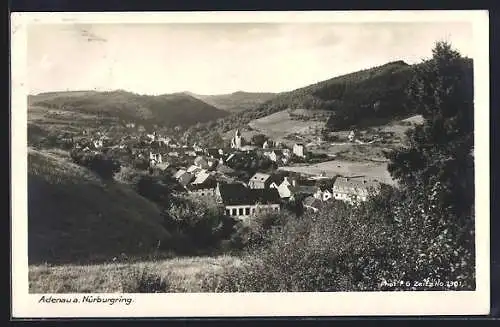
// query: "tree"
[[436, 168], [440, 150], [259, 139]]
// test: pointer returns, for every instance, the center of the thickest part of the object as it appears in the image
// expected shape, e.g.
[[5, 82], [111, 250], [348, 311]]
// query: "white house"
[[299, 150], [242, 203], [351, 136], [155, 158], [207, 187], [353, 190], [260, 181], [323, 193], [98, 143]]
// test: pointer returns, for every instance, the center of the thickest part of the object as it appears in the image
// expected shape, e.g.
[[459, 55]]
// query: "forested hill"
[[170, 109], [237, 101], [375, 93], [380, 90]]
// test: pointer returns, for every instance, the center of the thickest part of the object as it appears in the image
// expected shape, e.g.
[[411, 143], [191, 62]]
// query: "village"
[[243, 178]]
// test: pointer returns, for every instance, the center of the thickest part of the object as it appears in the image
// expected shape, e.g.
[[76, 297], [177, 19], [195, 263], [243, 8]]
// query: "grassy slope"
[[237, 101], [182, 274], [74, 216], [171, 109]]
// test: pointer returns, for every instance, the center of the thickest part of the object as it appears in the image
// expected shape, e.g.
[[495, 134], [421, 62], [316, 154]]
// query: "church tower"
[[236, 140]]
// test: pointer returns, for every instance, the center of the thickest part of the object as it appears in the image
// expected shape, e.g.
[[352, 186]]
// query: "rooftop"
[[238, 194], [261, 177]]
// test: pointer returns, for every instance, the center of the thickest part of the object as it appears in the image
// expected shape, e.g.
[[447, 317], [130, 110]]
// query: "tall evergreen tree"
[[439, 153]]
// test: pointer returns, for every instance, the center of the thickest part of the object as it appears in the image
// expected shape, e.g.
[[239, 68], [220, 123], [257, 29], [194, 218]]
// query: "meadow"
[[178, 274], [372, 170]]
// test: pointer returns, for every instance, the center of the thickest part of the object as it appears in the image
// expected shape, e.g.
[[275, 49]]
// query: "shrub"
[[105, 166], [346, 248], [201, 219]]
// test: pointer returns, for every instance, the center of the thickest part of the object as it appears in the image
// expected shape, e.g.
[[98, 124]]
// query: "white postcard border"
[[25, 305]]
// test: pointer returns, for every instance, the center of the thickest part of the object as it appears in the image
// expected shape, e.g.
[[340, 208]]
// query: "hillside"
[[237, 101], [376, 92], [170, 109], [73, 216], [370, 97]]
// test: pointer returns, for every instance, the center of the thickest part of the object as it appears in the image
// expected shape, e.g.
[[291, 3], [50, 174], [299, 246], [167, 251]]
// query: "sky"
[[221, 58]]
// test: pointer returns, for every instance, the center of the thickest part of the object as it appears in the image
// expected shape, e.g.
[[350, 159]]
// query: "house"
[[231, 157], [205, 188], [154, 158], [311, 203], [201, 177], [260, 181], [353, 190], [214, 153], [274, 155], [289, 189], [351, 136], [248, 148], [241, 202], [179, 173], [97, 143], [323, 193], [193, 169], [186, 178], [162, 140], [173, 154], [299, 150], [197, 148]]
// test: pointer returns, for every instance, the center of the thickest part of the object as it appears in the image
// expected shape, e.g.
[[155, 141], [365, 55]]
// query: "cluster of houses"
[[207, 172], [268, 191]]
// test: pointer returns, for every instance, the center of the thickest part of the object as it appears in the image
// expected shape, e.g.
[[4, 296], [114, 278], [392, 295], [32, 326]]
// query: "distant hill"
[[368, 97], [169, 110], [376, 92], [73, 216], [237, 101]]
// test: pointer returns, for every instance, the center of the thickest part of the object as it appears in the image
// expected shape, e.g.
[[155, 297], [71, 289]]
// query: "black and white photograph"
[[231, 154]]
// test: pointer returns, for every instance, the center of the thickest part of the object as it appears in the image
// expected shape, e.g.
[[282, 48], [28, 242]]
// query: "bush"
[[345, 248], [104, 166], [201, 220]]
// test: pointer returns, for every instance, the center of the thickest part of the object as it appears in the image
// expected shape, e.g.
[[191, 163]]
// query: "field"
[[370, 170], [280, 124], [180, 274]]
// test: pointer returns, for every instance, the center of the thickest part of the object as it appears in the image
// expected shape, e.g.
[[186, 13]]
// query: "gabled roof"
[[201, 177], [260, 177], [179, 173], [209, 183], [185, 179], [238, 194], [193, 168]]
